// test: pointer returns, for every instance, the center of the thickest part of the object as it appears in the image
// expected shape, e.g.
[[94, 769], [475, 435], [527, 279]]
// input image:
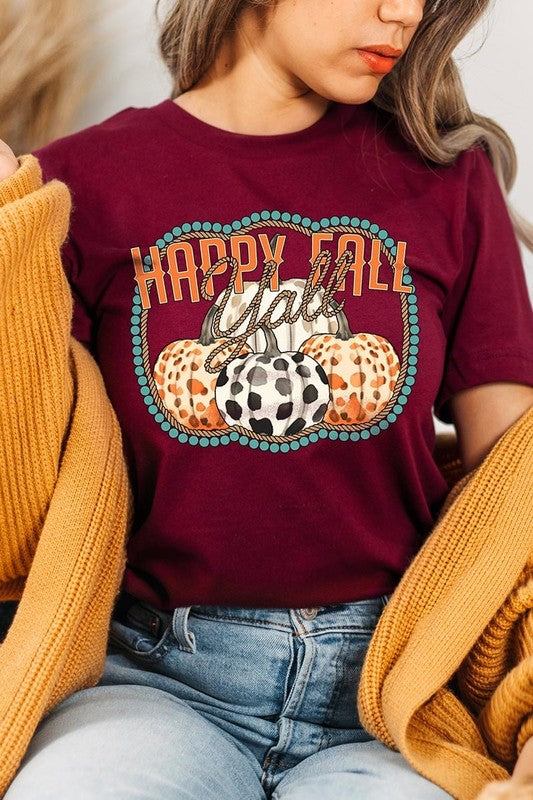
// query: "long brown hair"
[[424, 91], [44, 78]]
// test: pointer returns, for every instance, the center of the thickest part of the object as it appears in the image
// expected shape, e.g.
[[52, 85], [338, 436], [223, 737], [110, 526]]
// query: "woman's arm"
[[483, 413], [520, 786], [524, 765]]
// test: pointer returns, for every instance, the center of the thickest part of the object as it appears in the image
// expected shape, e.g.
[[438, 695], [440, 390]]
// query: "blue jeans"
[[221, 703]]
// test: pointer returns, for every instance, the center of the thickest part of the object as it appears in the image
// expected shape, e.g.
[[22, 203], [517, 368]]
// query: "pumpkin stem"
[[272, 348], [344, 331], [206, 334]]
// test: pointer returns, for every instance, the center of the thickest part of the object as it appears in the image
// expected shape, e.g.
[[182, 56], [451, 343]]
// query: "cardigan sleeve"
[[64, 494], [33, 361], [24, 180], [497, 676], [57, 161]]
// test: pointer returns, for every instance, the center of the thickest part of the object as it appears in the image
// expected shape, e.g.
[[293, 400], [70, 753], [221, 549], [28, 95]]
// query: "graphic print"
[[276, 364]]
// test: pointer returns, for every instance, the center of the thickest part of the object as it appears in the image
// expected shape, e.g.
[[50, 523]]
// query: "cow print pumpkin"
[[272, 393]]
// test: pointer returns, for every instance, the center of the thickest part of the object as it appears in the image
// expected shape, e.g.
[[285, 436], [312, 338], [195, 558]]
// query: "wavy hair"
[[42, 45], [424, 91]]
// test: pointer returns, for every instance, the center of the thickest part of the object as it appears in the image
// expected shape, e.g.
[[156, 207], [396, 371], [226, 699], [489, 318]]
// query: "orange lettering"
[[398, 267], [145, 277], [276, 256], [359, 261], [375, 264], [205, 253], [188, 274], [237, 242]]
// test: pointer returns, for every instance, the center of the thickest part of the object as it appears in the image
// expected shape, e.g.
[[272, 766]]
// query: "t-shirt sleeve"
[[487, 316], [54, 162]]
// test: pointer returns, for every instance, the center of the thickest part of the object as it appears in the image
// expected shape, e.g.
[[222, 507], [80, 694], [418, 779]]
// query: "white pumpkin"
[[289, 336]]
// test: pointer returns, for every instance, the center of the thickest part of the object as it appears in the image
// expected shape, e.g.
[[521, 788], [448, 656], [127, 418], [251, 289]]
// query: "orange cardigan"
[[64, 494], [448, 677]]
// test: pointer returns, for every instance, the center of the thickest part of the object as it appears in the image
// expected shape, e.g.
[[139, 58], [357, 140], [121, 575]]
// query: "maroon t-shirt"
[[274, 318]]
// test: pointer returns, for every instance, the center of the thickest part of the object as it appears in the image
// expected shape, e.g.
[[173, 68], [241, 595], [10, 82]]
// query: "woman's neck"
[[243, 92]]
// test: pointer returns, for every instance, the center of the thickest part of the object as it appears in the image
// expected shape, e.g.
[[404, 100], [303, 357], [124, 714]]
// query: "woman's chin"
[[353, 92]]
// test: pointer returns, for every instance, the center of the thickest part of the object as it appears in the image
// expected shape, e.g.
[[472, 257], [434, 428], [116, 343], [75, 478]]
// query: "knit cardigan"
[[448, 676], [65, 502], [449, 672]]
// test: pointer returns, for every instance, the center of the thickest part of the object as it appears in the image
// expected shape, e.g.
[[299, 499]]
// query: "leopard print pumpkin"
[[185, 387], [362, 371]]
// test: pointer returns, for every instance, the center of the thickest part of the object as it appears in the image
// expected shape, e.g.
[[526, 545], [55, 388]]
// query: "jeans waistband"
[[129, 608]]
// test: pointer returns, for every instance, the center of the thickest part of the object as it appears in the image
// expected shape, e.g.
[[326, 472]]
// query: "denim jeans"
[[221, 703]]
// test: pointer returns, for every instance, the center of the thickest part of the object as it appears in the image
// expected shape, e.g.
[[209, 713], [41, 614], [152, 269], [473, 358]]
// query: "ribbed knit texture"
[[65, 502], [465, 604]]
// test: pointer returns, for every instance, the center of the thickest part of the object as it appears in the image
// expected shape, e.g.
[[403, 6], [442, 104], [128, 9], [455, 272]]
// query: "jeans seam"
[[245, 620]]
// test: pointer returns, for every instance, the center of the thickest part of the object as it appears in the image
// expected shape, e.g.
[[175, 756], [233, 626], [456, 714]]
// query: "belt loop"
[[184, 637], [385, 599]]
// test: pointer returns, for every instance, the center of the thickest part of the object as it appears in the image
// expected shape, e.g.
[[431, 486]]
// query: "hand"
[[513, 789], [524, 765], [8, 161]]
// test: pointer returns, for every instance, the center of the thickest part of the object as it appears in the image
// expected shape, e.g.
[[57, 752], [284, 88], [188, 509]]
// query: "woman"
[[301, 254]]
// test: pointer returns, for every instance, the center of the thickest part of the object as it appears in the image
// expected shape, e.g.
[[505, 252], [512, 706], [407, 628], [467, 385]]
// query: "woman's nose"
[[407, 13]]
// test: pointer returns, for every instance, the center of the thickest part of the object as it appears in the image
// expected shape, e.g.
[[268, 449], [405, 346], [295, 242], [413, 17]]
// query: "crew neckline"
[[204, 134]]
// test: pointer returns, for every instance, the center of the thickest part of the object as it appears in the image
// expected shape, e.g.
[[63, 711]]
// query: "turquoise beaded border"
[[235, 436]]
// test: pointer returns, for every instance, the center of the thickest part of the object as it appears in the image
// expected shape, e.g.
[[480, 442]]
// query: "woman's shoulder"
[[98, 144], [381, 133]]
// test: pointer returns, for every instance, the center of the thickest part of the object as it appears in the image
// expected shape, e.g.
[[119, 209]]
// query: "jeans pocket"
[[134, 636]]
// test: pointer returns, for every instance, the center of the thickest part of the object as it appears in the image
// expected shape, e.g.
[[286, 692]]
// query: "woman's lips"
[[380, 62]]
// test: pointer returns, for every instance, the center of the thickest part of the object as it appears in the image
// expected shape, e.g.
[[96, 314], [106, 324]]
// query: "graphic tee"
[[274, 318]]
